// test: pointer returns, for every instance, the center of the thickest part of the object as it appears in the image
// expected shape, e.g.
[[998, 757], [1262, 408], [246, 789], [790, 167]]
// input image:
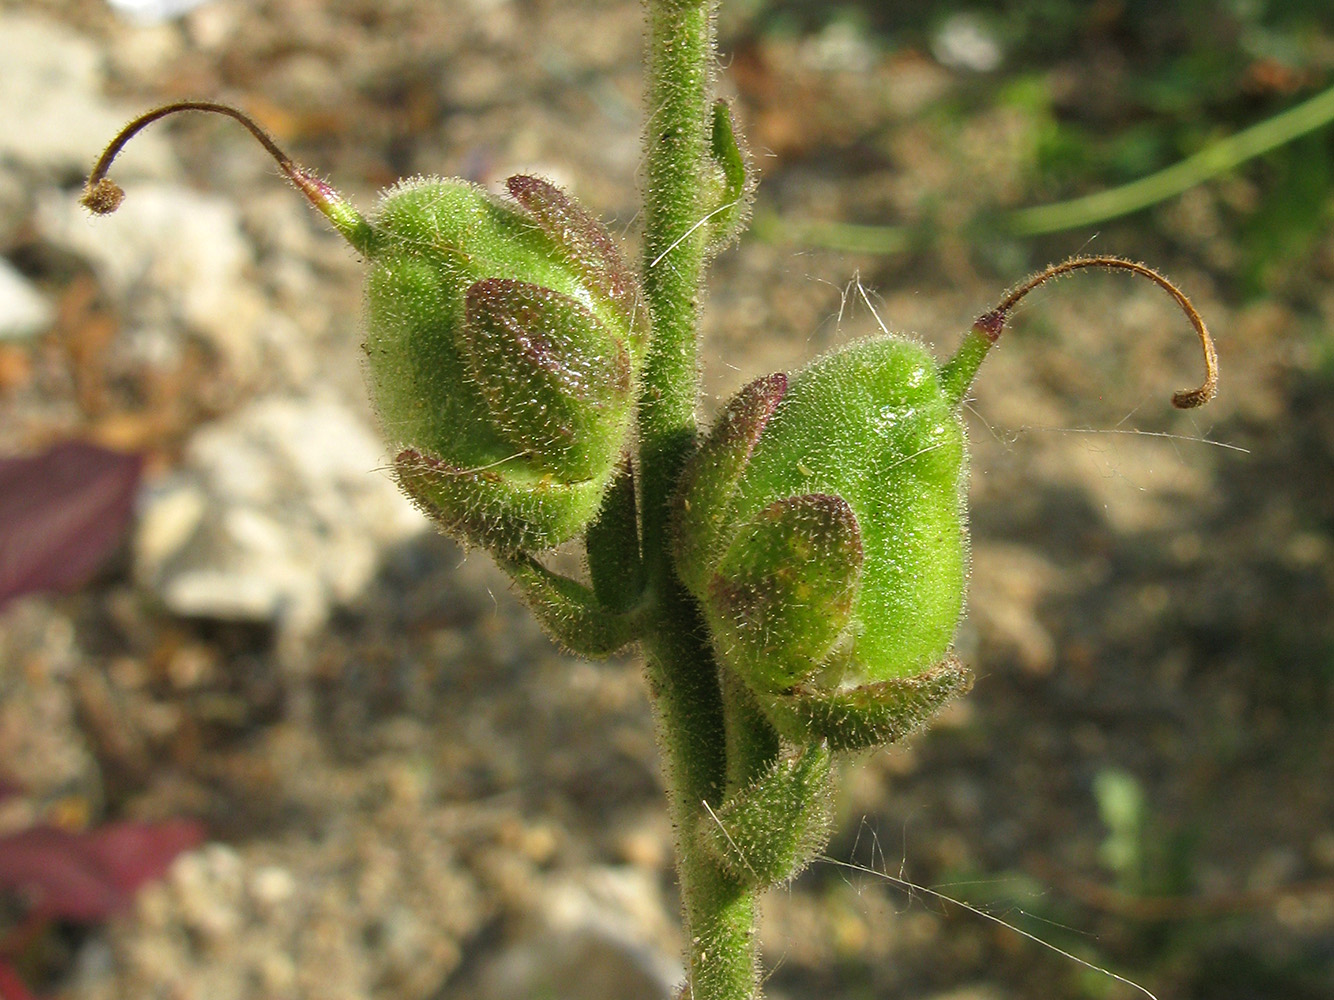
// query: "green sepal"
[[767, 832], [505, 506], [732, 183], [784, 591], [557, 381], [568, 611], [588, 248], [870, 715], [612, 543], [701, 506], [752, 741]]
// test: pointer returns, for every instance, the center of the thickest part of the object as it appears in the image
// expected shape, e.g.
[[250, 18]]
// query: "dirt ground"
[[409, 792]]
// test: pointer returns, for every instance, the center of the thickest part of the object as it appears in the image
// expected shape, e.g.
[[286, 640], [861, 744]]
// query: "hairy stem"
[[719, 909], [679, 57]]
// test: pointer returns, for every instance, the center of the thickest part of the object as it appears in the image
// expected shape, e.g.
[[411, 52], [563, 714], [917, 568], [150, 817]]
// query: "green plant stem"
[[1217, 158], [679, 57], [719, 910], [1089, 210]]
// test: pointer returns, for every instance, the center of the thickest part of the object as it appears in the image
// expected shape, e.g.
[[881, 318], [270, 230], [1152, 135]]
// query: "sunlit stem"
[[102, 196], [957, 374]]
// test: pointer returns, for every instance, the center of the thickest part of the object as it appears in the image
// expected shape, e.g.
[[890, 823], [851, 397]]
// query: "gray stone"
[[24, 311], [53, 117], [277, 514]]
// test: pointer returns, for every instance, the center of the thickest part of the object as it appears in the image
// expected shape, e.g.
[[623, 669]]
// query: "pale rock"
[[53, 117], [277, 514], [964, 42], [24, 312], [171, 256], [841, 47], [168, 520]]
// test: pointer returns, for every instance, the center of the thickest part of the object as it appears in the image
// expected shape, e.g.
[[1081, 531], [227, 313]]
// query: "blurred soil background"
[[408, 792]]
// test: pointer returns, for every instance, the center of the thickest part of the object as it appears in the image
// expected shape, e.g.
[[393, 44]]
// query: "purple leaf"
[[130, 854], [85, 877], [62, 514], [11, 986], [49, 866]]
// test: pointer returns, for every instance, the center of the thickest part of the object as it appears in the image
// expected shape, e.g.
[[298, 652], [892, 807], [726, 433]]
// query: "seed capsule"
[[821, 526], [504, 341], [837, 541]]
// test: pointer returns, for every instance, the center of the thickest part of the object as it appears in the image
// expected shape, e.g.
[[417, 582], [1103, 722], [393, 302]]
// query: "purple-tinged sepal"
[[557, 380], [783, 593], [866, 715], [587, 246], [701, 504], [820, 527]]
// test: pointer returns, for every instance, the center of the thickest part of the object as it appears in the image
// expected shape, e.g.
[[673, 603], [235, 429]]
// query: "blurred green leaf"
[[1294, 211]]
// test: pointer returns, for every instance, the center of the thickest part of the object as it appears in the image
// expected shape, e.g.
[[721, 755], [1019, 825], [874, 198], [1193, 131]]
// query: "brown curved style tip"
[[1183, 399], [102, 196], [990, 324]]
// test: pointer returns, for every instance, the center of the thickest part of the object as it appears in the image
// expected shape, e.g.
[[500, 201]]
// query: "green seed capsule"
[[821, 526], [836, 542], [503, 345], [504, 341]]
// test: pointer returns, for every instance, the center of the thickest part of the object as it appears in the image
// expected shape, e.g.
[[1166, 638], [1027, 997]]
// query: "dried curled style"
[[504, 342], [991, 323], [102, 195]]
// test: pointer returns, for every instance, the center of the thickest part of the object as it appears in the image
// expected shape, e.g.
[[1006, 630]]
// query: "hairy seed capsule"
[[834, 538], [503, 344], [821, 527]]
